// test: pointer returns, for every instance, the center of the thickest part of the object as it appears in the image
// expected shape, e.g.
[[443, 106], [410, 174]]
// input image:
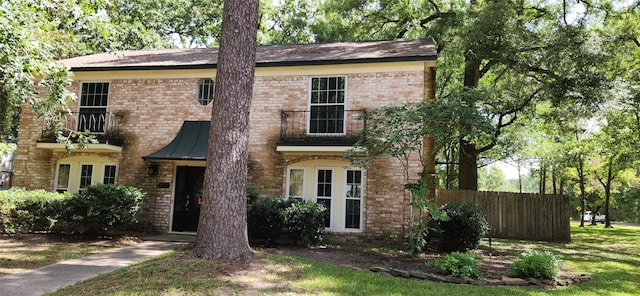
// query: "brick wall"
[[154, 110]]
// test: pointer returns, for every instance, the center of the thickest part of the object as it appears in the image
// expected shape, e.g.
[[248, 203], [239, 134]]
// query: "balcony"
[[104, 126], [324, 128]]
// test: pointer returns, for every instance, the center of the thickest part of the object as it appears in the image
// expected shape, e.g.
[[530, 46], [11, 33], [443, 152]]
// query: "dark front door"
[[188, 198]]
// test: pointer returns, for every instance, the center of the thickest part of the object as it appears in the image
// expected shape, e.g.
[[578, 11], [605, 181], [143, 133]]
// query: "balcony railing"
[[328, 125], [105, 126]]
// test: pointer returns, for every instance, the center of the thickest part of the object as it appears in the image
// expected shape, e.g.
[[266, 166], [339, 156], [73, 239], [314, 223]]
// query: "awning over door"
[[190, 144]]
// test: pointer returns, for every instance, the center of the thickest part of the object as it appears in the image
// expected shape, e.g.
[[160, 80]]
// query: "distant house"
[[150, 110]]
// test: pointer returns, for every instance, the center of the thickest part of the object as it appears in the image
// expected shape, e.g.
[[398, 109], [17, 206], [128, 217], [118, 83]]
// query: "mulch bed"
[[399, 263]]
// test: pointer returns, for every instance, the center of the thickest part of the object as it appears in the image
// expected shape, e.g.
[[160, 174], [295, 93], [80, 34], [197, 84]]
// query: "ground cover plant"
[[611, 256]]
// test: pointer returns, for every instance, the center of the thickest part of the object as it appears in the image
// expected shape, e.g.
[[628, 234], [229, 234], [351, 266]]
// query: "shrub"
[[304, 221], [535, 264], [101, 209], [278, 220], [458, 264], [23, 211], [464, 229], [265, 219]]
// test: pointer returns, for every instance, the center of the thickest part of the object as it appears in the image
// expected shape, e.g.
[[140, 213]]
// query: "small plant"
[[459, 264], [535, 264]]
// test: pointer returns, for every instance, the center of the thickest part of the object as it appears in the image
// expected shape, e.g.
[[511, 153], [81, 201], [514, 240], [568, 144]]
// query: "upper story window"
[[204, 91], [93, 107], [327, 105]]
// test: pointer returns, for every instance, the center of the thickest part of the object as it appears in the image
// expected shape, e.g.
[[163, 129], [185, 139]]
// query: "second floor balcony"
[[103, 125], [321, 126]]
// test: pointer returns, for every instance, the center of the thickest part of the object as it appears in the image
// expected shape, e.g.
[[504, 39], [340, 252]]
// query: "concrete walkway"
[[53, 277]]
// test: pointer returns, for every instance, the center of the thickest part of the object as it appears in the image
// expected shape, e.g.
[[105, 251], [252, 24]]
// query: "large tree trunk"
[[222, 230], [468, 154]]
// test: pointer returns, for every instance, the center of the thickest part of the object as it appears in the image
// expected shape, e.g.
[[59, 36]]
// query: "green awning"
[[190, 144]]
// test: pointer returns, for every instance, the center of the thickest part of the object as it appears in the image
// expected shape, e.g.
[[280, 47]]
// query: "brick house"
[[150, 111]]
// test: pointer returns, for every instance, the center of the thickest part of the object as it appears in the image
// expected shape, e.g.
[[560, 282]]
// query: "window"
[[353, 199], [204, 91], [109, 176], [64, 170], [324, 193], [77, 172], [93, 107], [296, 183], [86, 174], [327, 105]]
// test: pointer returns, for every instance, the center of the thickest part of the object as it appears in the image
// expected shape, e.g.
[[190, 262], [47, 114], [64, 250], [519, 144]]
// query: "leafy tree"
[[496, 58], [222, 229], [614, 144]]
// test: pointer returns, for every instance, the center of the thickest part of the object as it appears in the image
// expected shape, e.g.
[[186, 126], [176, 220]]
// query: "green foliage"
[[101, 209], [278, 220], [535, 264], [265, 219], [464, 228], [24, 211], [304, 222], [252, 195], [459, 264]]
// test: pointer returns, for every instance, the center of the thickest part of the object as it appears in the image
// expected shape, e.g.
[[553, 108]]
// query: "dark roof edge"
[[263, 64]]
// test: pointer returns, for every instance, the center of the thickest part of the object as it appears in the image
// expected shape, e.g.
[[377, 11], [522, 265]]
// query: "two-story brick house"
[[150, 110]]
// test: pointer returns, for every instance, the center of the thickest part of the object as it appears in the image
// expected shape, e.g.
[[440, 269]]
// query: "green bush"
[[304, 222], [265, 219], [101, 209], [464, 229], [535, 264], [23, 211], [458, 264], [278, 220]]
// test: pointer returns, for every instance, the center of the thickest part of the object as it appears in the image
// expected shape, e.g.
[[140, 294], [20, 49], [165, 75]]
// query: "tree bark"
[[222, 229], [468, 154]]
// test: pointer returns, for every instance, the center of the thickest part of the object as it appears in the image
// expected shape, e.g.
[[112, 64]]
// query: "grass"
[[19, 253], [611, 256]]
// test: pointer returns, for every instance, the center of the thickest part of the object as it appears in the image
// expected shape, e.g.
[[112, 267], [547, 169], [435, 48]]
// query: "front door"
[[188, 198]]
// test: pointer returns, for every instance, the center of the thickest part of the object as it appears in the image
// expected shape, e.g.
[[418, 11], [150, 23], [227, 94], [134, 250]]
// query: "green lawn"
[[611, 256], [20, 253]]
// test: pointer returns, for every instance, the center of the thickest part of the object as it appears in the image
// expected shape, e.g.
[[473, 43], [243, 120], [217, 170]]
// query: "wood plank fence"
[[523, 216]]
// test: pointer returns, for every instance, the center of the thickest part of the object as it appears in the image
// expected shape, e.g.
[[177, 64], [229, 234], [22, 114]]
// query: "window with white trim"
[[204, 91], [109, 174], [324, 192], [353, 199], [64, 171], [327, 105], [86, 175], [295, 188], [77, 172], [93, 107]]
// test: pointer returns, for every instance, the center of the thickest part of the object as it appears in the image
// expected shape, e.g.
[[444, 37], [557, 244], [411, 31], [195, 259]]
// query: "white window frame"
[[75, 170], [93, 172], [199, 85], [330, 198], [344, 104], [56, 188], [104, 168], [346, 198], [288, 184]]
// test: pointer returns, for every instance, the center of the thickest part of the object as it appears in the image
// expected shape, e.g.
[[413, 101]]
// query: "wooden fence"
[[518, 215]]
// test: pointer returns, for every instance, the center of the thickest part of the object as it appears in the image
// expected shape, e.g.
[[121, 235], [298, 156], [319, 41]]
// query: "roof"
[[268, 55], [190, 143]]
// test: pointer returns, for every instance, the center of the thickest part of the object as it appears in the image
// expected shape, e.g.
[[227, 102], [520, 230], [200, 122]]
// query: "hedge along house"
[[150, 111]]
